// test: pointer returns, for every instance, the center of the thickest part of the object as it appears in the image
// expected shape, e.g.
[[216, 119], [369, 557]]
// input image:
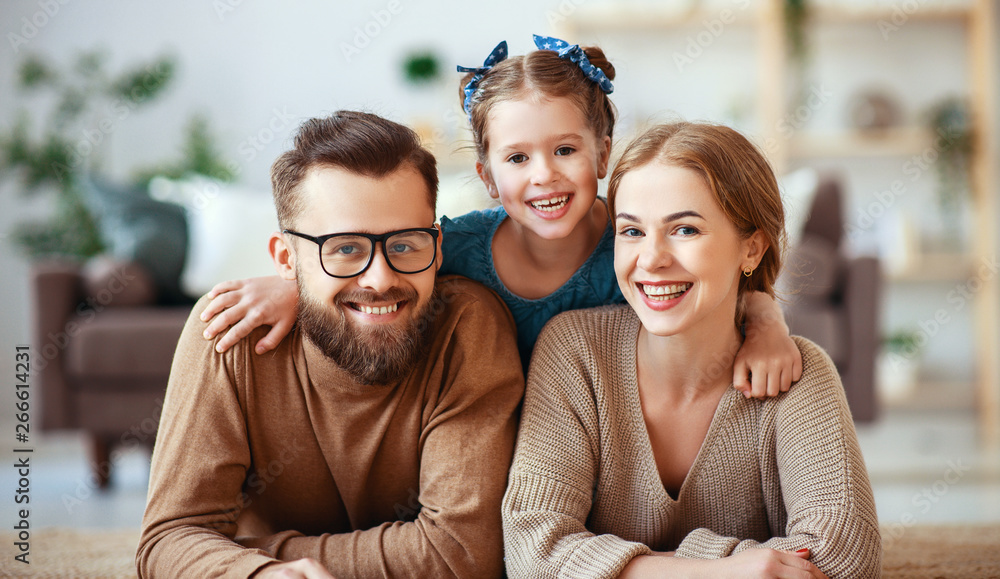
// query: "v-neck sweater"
[[584, 494], [284, 455]]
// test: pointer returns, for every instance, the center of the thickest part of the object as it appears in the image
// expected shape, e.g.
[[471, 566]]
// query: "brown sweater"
[[585, 496], [292, 458]]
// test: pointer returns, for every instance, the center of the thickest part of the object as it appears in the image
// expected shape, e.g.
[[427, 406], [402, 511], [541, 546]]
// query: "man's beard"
[[371, 353]]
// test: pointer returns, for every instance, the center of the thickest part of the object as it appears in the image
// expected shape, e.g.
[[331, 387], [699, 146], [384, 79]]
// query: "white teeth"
[[549, 205], [379, 310], [665, 292]]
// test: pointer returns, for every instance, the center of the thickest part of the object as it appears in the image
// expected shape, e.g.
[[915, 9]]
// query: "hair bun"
[[596, 57]]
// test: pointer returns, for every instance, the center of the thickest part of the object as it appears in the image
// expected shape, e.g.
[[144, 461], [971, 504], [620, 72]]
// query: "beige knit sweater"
[[584, 494]]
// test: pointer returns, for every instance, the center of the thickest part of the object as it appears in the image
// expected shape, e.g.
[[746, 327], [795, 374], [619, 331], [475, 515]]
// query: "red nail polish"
[[803, 551]]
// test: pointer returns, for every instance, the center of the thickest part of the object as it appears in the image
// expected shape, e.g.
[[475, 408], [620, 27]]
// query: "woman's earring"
[[747, 271]]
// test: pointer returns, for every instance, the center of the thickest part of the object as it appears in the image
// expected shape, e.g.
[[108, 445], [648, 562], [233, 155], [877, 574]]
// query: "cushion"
[[112, 282], [140, 229], [229, 228]]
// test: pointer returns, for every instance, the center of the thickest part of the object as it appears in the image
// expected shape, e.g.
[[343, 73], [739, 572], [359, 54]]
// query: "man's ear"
[[605, 157], [440, 244], [754, 246], [484, 176], [282, 254]]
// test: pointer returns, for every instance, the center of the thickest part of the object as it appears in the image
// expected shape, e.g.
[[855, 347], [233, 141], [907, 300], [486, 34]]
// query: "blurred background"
[[136, 139]]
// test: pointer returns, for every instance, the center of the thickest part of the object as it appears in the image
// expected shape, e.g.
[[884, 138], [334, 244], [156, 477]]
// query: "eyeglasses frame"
[[375, 239]]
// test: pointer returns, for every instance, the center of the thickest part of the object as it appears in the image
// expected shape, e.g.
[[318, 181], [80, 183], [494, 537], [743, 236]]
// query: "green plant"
[[902, 342], [796, 19], [88, 102], [421, 68], [949, 122]]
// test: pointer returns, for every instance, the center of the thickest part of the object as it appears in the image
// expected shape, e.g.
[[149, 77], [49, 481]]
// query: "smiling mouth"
[[551, 204], [375, 310], [665, 292]]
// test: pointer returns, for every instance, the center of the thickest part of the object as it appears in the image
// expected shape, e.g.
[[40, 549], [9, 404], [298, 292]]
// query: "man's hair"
[[361, 143], [737, 173]]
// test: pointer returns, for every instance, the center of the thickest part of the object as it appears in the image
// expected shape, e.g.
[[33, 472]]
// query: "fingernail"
[[803, 551], [205, 334]]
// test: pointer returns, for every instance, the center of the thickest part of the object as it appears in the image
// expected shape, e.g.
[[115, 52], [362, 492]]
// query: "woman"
[[635, 456]]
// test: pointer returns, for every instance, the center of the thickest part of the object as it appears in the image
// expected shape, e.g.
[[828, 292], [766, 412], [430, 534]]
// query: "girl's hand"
[[769, 360], [246, 304]]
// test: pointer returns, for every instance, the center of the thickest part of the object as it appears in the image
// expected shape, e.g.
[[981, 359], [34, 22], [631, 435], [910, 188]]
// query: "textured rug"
[[920, 552]]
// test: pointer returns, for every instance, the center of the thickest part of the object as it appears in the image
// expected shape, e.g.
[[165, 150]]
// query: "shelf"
[[892, 15], [934, 267], [617, 17], [847, 144]]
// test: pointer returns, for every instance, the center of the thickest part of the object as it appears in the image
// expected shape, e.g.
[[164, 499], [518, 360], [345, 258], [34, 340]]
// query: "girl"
[[660, 469], [542, 125]]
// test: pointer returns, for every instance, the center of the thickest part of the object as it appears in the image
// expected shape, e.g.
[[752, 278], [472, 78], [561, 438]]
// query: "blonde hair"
[[540, 73], [738, 175]]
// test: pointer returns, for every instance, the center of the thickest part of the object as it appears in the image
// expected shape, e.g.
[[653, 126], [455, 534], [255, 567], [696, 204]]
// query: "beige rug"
[[922, 552]]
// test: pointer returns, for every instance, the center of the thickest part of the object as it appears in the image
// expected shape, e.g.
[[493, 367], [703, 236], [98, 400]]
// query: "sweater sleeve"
[[199, 465], [555, 471], [824, 483], [467, 445]]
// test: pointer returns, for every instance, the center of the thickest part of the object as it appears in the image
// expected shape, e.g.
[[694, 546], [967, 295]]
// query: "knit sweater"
[[585, 497], [285, 456]]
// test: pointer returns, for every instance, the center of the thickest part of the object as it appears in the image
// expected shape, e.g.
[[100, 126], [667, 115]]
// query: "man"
[[375, 440]]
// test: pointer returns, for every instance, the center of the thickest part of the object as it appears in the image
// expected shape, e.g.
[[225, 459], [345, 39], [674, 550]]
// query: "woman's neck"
[[691, 365]]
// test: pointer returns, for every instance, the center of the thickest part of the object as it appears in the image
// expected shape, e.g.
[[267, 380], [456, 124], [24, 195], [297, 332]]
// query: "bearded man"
[[375, 440]]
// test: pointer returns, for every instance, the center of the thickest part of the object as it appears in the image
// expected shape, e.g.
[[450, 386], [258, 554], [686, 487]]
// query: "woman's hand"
[[246, 304], [769, 360], [749, 564]]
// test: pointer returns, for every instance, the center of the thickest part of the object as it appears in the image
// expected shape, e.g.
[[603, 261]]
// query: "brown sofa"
[[834, 299], [103, 354]]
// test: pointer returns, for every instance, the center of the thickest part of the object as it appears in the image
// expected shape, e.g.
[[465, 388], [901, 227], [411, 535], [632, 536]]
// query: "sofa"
[[103, 354], [834, 299]]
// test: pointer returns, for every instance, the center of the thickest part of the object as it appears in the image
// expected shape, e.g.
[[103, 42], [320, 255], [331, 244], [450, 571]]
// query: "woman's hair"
[[540, 74], [738, 175], [358, 142]]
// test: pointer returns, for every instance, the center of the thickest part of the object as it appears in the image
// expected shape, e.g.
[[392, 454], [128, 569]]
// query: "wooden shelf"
[[934, 267], [831, 13], [899, 142]]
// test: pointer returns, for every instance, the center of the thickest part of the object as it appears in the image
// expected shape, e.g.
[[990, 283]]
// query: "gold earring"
[[747, 271]]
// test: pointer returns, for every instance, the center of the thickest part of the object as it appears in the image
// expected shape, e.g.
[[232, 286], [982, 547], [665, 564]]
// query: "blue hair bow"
[[499, 53], [575, 54]]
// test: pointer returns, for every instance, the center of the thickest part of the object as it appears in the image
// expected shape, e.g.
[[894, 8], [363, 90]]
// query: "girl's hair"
[[540, 73], [738, 175]]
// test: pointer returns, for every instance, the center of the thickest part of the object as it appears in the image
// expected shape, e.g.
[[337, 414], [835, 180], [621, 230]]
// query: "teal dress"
[[467, 251]]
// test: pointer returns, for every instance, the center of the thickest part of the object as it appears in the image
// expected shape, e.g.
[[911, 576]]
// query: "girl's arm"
[[246, 304], [769, 361]]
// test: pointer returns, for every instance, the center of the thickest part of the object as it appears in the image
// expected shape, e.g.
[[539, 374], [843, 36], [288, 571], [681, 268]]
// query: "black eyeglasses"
[[350, 254]]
